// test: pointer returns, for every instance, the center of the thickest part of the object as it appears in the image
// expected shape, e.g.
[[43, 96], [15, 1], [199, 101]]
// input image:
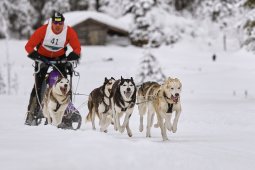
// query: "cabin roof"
[[76, 17]]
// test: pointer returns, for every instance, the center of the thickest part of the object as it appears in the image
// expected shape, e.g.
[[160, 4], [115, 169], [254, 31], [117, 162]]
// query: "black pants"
[[40, 77]]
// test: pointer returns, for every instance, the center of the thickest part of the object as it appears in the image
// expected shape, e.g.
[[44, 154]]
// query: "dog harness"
[[57, 103], [107, 107], [169, 105], [57, 106], [131, 104]]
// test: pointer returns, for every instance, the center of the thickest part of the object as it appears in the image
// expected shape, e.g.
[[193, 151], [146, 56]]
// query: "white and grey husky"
[[99, 104], [56, 100], [123, 98]]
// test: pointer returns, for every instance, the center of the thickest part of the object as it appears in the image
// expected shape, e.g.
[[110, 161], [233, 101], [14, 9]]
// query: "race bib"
[[54, 42]]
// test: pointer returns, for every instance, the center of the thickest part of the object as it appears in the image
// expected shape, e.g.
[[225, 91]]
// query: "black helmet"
[[57, 17]]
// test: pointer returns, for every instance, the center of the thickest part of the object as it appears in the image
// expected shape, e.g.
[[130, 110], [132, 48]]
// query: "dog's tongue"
[[175, 99], [63, 90], [127, 94]]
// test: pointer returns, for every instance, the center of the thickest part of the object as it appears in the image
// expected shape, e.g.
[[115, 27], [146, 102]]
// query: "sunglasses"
[[59, 23]]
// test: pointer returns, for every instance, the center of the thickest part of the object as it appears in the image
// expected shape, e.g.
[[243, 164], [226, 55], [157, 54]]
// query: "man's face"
[[57, 27]]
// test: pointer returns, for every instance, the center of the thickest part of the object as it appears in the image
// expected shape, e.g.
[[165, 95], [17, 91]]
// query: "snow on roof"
[[76, 17]]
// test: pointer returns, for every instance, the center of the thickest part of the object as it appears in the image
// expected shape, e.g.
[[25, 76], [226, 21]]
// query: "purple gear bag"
[[53, 77]]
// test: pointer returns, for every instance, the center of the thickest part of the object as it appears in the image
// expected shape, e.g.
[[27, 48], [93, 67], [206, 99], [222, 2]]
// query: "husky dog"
[[162, 99], [123, 98], [56, 100], [99, 104]]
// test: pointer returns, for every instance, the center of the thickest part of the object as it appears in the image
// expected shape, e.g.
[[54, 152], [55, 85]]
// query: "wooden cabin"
[[94, 28]]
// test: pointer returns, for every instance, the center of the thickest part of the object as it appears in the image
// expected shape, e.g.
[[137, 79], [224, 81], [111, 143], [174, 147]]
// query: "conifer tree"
[[150, 69]]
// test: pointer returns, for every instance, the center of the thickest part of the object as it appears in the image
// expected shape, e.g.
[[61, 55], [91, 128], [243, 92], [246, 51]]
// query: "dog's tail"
[[90, 106]]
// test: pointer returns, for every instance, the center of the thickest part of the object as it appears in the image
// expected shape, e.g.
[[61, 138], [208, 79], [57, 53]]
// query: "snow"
[[76, 17], [216, 128]]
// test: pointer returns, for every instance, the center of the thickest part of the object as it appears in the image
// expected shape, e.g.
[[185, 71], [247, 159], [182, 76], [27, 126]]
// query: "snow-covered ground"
[[216, 128]]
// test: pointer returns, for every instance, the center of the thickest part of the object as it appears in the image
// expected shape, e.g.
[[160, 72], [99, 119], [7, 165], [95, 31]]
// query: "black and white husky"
[[123, 98], [99, 104]]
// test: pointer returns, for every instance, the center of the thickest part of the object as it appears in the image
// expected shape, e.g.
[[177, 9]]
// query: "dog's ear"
[[105, 79], [132, 79], [112, 78], [121, 79]]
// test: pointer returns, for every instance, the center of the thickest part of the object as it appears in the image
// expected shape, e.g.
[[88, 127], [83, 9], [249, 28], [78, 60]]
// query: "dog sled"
[[72, 118]]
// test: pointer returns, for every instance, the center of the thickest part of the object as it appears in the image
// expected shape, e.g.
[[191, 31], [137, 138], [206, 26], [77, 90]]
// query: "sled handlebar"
[[72, 62]]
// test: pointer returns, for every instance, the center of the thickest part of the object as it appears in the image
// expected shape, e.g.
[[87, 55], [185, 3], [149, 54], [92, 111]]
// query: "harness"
[[169, 105], [107, 107], [125, 109], [57, 103]]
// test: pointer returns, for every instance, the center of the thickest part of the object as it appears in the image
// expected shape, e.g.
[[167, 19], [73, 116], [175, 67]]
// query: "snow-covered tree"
[[149, 69], [2, 23], [145, 30], [216, 10], [39, 18], [14, 84], [113, 8], [61, 6], [2, 84], [19, 15], [247, 26], [76, 5], [182, 4]]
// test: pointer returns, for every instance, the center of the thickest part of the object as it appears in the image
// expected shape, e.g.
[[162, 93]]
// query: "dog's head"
[[127, 88], [108, 84], [62, 86], [172, 89]]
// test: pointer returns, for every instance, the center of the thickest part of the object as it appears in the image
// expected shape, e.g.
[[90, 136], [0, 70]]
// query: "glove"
[[35, 56], [73, 56]]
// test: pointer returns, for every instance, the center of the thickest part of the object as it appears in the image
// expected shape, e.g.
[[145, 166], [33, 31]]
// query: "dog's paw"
[[148, 135], [115, 128], [130, 134], [103, 130], [141, 128], [122, 129], [174, 129], [168, 126], [165, 138]]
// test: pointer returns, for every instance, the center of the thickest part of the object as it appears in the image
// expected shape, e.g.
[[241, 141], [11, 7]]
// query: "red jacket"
[[38, 37]]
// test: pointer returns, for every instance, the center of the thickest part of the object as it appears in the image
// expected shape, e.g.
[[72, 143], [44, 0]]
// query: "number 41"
[[53, 41]]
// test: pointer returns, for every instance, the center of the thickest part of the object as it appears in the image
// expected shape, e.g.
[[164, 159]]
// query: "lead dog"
[[123, 98], [56, 100], [164, 100], [99, 104]]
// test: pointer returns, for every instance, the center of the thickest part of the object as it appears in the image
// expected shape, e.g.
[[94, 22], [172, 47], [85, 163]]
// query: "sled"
[[72, 116]]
